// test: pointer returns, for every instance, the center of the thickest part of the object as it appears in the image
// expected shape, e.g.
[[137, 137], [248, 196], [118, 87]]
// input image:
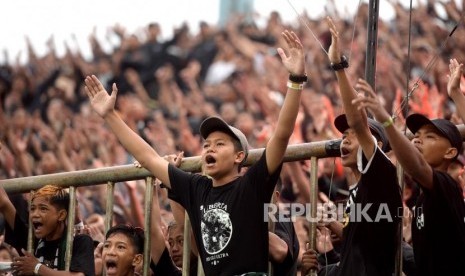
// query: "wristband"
[[344, 63], [36, 268], [79, 226], [298, 79], [295, 86], [389, 122]]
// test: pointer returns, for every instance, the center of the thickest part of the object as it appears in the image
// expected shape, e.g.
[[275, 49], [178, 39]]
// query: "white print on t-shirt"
[[420, 220], [216, 229]]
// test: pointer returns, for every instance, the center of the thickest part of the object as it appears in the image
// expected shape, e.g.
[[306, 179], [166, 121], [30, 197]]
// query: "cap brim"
[[212, 124], [341, 123], [375, 128], [416, 121]]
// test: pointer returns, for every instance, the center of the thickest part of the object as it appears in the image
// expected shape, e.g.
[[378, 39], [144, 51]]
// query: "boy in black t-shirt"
[[438, 226], [48, 214], [225, 208], [369, 235]]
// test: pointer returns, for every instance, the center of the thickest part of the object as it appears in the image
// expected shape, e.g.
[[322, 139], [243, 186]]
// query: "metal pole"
[[328, 148], [313, 206], [70, 226], [372, 41], [109, 206], [30, 235], [147, 223], [186, 250]]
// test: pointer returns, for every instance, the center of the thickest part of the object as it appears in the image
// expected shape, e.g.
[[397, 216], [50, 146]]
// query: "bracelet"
[[79, 226], [36, 268], [389, 122], [344, 63], [295, 86], [298, 79]]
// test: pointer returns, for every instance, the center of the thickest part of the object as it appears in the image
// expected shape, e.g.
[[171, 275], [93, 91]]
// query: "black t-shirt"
[[228, 221], [286, 231], [370, 239], [52, 253], [165, 265], [438, 228]]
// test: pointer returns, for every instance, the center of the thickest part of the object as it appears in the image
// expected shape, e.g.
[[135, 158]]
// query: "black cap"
[[213, 123], [445, 128], [375, 128]]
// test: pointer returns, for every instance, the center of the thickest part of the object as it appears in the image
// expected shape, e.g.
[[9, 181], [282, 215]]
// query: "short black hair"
[[135, 235]]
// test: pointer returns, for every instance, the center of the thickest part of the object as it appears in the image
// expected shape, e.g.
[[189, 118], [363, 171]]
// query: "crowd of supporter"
[[167, 88]]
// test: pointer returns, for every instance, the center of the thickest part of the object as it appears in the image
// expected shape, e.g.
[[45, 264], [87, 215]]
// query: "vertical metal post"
[[372, 42], [109, 207], [186, 250], [30, 235], [313, 205], [200, 267], [147, 222], [70, 226]]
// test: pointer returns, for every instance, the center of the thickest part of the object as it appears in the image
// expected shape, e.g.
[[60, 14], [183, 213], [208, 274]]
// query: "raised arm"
[[357, 119], [7, 208], [295, 64], [407, 155], [104, 105]]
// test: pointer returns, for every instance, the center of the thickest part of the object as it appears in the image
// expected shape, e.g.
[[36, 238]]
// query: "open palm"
[[101, 101]]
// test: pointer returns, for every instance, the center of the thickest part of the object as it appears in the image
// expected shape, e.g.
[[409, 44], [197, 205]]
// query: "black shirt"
[[52, 253], [286, 231], [438, 228], [165, 265], [370, 239], [228, 221]]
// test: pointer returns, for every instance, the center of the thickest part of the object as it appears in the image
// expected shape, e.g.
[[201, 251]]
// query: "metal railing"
[[111, 175]]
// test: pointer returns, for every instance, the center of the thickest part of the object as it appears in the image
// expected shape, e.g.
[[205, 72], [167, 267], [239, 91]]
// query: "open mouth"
[[110, 266], [37, 226], [345, 151], [210, 160]]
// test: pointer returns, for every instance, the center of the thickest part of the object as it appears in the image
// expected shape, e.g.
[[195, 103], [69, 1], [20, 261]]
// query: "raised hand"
[[295, 62], [101, 102], [455, 74], [334, 54], [370, 101]]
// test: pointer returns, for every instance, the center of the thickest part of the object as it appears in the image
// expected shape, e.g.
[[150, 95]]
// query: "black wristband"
[[298, 79], [344, 63]]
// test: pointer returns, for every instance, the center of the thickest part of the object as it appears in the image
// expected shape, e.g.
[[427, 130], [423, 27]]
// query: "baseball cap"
[[375, 128], [445, 128], [214, 123]]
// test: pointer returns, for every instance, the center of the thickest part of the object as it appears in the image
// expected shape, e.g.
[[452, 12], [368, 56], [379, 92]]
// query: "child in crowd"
[[225, 208], [48, 215]]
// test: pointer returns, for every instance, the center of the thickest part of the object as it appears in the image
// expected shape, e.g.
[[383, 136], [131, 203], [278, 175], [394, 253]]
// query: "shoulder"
[[443, 181], [82, 240]]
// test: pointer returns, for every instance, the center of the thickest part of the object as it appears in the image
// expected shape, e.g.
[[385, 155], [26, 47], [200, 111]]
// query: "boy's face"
[[219, 155], [46, 219], [119, 255], [176, 241], [431, 144], [5, 255], [349, 148]]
